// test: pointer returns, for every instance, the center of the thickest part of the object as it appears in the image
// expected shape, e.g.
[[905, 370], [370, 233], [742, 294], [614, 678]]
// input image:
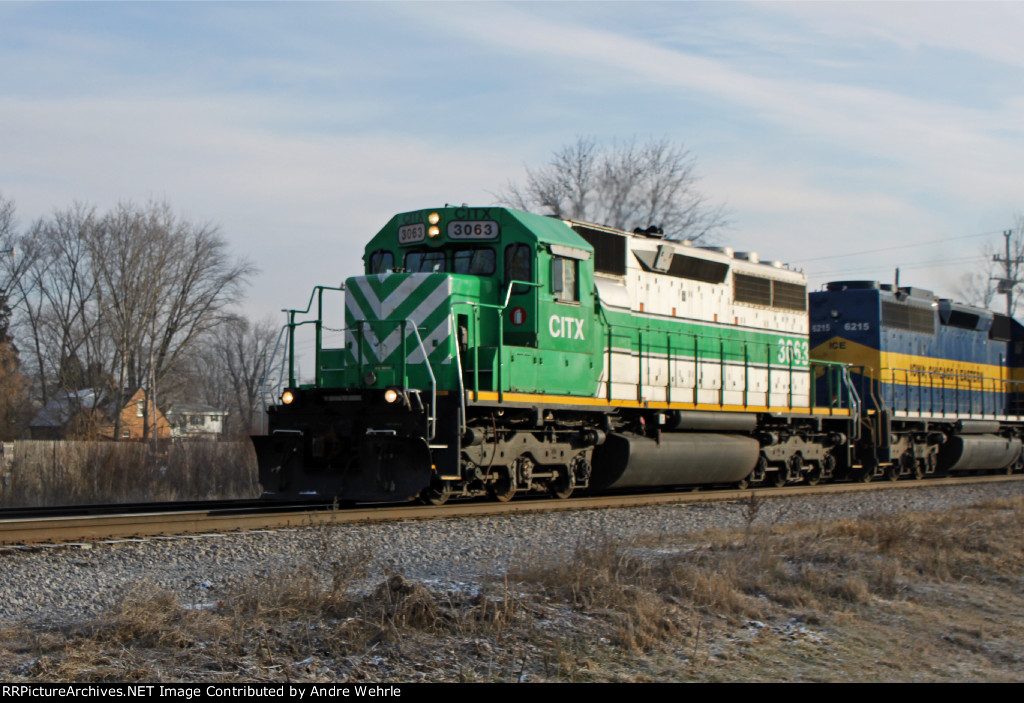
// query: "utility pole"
[[1011, 266]]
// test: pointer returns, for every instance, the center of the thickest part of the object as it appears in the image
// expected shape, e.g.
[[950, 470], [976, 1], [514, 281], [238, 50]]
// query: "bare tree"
[[230, 368], [1002, 275], [979, 287], [6, 219], [163, 283], [624, 185], [12, 383], [56, 293], [116, 301]]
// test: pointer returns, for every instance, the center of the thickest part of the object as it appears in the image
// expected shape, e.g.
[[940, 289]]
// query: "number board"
[[477, 229], [410, 234]]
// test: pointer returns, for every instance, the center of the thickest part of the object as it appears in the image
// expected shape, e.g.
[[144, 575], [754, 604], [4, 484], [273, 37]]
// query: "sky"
[[845, 139]]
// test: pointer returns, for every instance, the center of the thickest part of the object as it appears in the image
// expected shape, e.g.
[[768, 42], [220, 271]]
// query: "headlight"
[[434, 232], [390, 395], [287, 397], [433, 218]]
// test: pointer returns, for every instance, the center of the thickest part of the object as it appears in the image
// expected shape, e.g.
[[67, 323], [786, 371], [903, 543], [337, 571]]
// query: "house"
[[193, 421], [133, 416], [87, 414], [68, 414]]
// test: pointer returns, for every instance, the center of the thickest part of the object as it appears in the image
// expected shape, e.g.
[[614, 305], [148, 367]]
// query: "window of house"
[[140, 408]]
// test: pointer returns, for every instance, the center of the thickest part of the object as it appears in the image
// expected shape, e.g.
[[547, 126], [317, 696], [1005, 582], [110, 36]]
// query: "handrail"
[[723, 360], [288, 352], [943, 387], [501, 334], [318, 292], [432, 420], [358, 327], [855, 405], [266, 376]]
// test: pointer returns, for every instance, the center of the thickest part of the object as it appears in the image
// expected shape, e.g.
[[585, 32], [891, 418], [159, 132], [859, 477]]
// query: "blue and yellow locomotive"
[[939, 380]]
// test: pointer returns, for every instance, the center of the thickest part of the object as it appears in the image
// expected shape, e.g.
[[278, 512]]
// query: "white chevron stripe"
[[405, 290], [383, 309]]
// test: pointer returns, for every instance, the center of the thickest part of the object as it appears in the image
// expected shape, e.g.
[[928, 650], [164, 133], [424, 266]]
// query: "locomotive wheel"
[[778, 478], [861, 475], [828, 466], [759, 474], [790, 471], [562, 485], [813, 475], [892, 472], [437, 495], [503, 488], [743, 483], [918, 471]]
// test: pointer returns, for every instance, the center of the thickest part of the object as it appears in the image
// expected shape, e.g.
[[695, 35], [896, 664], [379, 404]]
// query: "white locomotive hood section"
[[685, 329], [380, 303], [649, 288]]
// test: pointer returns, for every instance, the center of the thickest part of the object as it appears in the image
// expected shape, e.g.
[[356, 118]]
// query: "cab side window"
[[381, 262], [565, 279]]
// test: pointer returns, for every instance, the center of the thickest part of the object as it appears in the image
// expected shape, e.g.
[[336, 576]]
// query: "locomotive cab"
[[457, 304]]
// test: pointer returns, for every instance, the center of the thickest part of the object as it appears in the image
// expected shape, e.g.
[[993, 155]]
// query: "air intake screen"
[[609, 250], [791, 296], [698, 269], [963, 320], [768, 292], [908, 317], [751, 289], [1001, 327]]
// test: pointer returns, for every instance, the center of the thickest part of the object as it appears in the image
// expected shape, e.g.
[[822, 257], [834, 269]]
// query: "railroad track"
[[68, 524]]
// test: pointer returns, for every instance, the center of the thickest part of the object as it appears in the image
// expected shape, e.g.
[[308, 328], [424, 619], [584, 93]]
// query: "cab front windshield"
[[474, 261]]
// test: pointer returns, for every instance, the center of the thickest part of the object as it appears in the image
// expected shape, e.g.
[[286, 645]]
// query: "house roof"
[[63, 406]]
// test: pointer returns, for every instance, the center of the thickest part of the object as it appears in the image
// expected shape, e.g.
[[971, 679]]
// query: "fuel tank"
[[630, 460], [978, 452]]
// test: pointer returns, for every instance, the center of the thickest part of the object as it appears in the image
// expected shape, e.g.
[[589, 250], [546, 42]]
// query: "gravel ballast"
[[70, 583]]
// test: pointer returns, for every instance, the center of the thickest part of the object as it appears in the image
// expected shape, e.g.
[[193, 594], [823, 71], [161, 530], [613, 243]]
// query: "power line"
[[900, 246], [882, 267]]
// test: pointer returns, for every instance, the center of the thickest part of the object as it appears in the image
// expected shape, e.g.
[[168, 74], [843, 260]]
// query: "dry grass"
[[46, 472], [930, 597]]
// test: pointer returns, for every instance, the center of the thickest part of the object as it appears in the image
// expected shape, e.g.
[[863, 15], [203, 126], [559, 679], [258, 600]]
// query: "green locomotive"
[[494, 351]]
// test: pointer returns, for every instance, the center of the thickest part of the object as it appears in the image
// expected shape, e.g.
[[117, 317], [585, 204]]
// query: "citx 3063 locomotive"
[[489, 351]]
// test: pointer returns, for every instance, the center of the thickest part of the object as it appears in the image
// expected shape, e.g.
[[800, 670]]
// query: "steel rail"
[[65, 530]]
